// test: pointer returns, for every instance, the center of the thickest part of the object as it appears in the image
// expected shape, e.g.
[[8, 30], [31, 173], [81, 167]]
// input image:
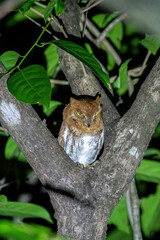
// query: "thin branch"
[[133, 210], [40, 4], [110, 26], [20, 118], [36, 23], [130, 86], [91, 6], [59, 82], [3, 129], [83, 69], [129, 207], [108, 46], [7, 6], [89, 36], [4, 185], [138, 71], [84, 25], [51, 19]]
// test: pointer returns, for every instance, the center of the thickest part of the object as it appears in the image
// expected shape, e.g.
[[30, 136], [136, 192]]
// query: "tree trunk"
[[83, 199], [79, 220]]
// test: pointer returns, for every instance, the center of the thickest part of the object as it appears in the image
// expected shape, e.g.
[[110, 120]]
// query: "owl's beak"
[[88, 123]]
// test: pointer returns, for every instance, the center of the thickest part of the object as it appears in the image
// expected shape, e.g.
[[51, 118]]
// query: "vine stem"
[[35, 44]]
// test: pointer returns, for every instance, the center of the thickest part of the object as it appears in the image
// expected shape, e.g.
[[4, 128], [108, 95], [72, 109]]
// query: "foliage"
[[81, 54], [22, 210], [121, 81], [31, 84], [152, 43], [19, 231], [9, 59]]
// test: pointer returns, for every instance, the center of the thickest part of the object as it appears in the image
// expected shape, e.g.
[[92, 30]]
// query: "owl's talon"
[[89, 166], [95, 163], [80, 165]]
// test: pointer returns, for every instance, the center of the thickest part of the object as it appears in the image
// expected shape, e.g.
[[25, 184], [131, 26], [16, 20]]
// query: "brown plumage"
[[82, 132]]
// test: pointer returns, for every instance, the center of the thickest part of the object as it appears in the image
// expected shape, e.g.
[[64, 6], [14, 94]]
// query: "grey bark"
[[83, 199]]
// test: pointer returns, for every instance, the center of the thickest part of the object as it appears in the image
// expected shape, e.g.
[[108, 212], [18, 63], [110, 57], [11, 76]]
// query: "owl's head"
[[84, 114]]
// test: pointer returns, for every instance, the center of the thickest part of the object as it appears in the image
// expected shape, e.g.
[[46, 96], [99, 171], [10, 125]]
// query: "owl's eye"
[[96, 113], [79, 114]]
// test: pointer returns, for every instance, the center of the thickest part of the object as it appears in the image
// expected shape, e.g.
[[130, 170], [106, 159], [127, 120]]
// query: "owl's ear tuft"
[[98, 99], [73, 100]]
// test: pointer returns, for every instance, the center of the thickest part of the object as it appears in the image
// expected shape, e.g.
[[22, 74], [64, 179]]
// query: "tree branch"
[[133, 205], [52, 166], [7, 6], [83, 84], [131, 136], [109, 27]]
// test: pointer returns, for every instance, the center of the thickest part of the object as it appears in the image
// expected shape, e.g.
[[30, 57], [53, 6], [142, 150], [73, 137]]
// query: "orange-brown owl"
[[82, 131]]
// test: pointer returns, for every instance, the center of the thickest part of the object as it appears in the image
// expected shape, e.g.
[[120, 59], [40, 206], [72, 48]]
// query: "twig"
[[59, 82], [109, 27], [83, 69], [4, 185], [130, 86], [36, 23], [50, 19], [138, 71], [3, 129], [89, 36], [91, 6], [133, 210], [108, 46], [7, 6], [85, 22], [40, 4]]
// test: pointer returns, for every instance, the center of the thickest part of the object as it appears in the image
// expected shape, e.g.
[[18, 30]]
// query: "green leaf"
[[119, 217], [9, 59], [103, 19], [12, 151], [18, 231], [151, 213], [89, 48], [116, 35], [23, 210], [84, 1], [4, 134], [119, 235], [31, 85], [149, 171], [110, 60], [157, 132], [3, 200], [152, 43], [151, 152], [52, 107], [132, 28], [49, 9], [26, 6], [81, 54], [59, 7], [16, 18], [121, 81], [52, 59]]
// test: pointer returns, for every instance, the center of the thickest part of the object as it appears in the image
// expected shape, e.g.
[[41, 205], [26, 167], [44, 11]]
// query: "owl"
[[82, 132]]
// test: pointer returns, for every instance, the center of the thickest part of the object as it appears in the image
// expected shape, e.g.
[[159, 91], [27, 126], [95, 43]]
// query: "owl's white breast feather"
[[84, 149]]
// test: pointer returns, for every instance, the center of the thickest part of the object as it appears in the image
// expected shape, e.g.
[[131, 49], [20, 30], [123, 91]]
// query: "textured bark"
[[83, 199]]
